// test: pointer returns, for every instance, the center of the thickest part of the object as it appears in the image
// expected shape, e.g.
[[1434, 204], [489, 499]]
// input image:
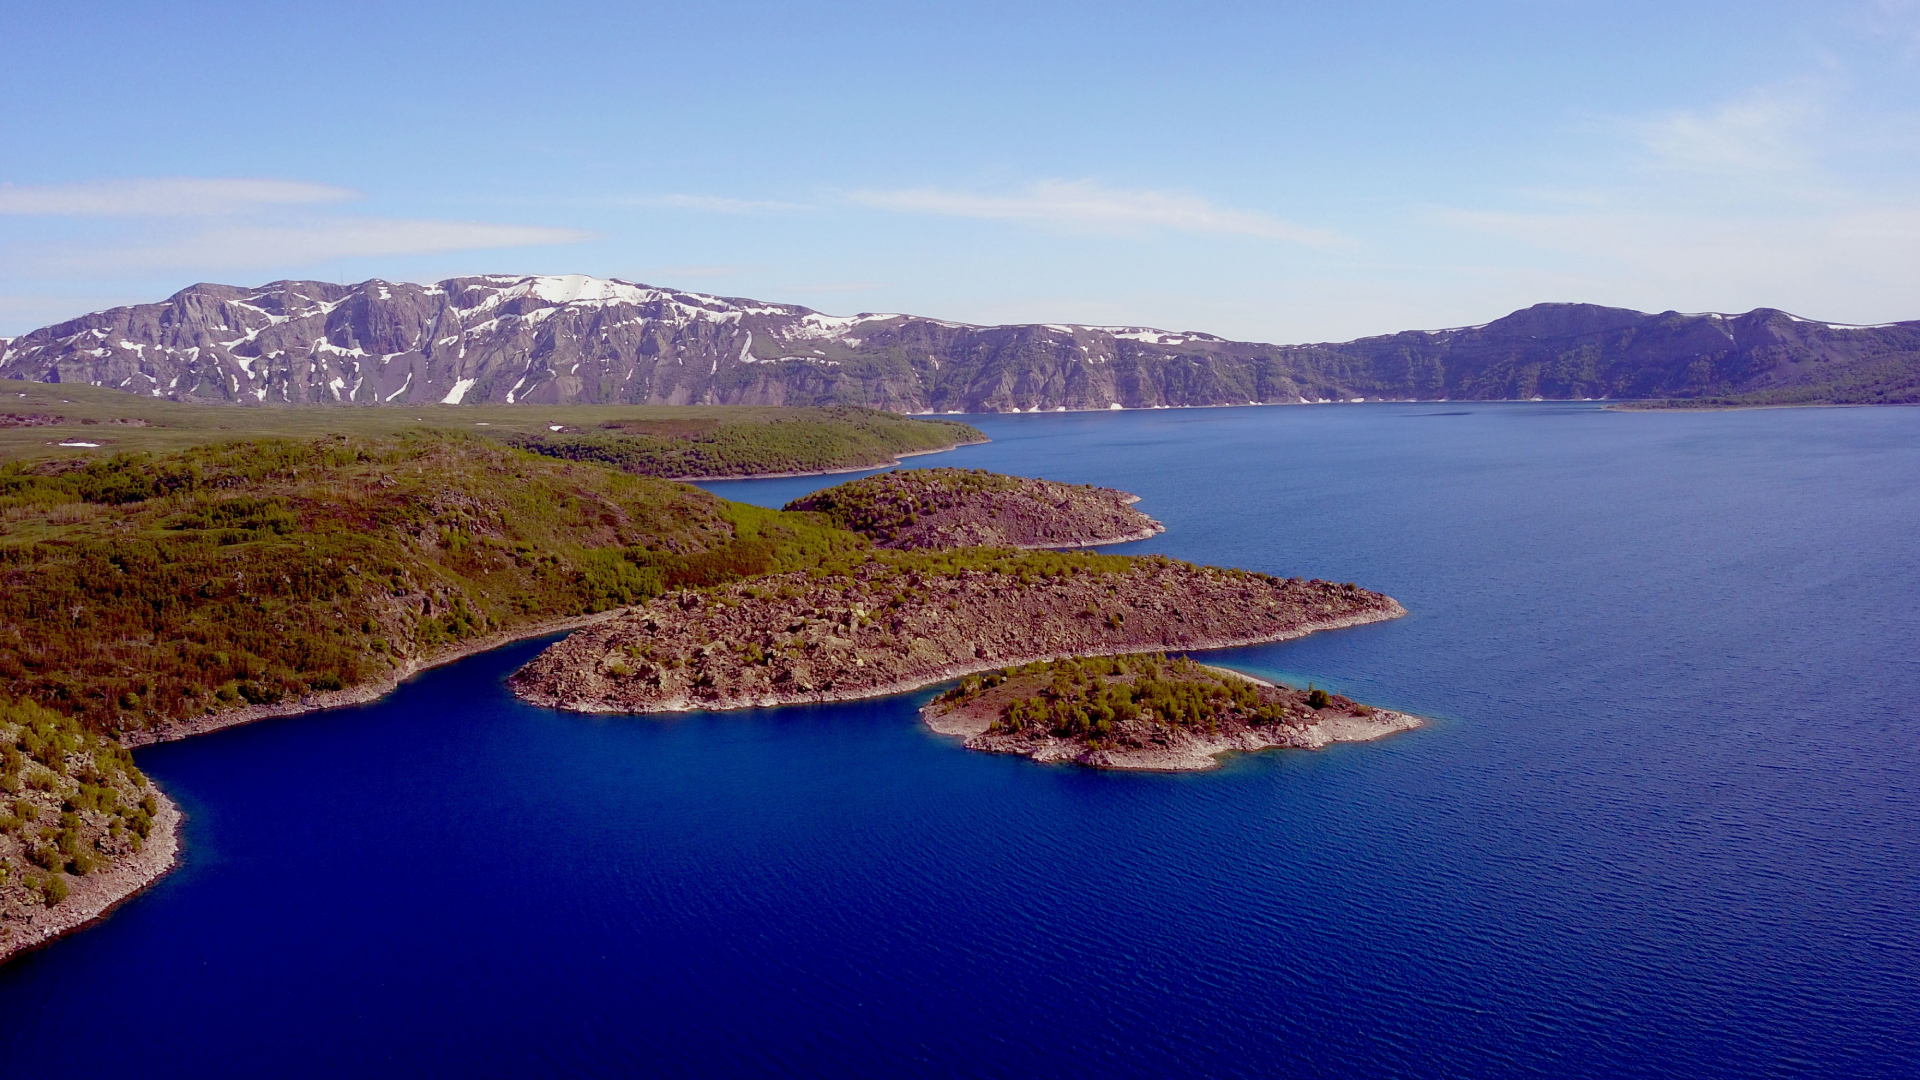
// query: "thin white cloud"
[[254, 246], [162, 197], [717, 204], [1084, 205], [1764, 130]]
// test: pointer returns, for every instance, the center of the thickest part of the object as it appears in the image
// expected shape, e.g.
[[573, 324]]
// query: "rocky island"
[[899, 621], [952, 508], [1146, 711]]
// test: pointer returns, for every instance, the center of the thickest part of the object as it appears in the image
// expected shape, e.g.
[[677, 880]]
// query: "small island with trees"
[[1146, 711]]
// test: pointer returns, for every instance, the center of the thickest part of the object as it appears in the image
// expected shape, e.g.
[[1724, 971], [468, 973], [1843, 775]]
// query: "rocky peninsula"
[[953, 508], [81, 828], [898, 621], [1146, 711]]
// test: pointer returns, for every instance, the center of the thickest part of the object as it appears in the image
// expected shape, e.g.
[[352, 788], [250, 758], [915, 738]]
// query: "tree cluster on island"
[[1089, 697], [1146, 711]]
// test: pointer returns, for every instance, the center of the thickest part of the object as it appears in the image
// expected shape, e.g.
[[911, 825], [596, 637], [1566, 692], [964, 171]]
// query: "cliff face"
[[886, 627], [579, 339], [953, 508]]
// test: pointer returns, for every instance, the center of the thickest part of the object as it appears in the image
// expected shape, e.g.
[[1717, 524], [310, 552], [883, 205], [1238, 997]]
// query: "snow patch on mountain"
[[460, 388]]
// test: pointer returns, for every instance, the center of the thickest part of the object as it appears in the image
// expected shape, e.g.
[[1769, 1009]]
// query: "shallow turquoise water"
[[1664, 822]]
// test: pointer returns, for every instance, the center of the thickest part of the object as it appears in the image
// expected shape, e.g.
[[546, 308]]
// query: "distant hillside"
[[554, 340], [1558, 351], [63, 420]]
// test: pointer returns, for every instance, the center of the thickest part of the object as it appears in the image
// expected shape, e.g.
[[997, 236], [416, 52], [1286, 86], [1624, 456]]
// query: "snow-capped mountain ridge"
[[568, 338]]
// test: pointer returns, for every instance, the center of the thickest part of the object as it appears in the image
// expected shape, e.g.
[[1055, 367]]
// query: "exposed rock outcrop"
[[26, 923], [954, 508], [1146, 712], [895, 623]]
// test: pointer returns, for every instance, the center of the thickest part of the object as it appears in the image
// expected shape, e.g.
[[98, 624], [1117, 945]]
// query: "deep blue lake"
[[1665, 822]]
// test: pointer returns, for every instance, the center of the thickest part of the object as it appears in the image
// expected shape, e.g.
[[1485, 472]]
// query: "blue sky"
[[1279, 171]]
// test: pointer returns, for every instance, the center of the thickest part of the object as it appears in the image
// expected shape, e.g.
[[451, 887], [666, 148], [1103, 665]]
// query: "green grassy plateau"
[[652, 440]]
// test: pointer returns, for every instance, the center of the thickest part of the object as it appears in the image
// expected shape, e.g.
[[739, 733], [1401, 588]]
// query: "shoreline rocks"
[[95, 895], [1146, 712], [891, 625]]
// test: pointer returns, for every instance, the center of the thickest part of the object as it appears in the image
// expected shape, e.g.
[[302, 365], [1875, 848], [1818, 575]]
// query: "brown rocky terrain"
[[954, 508], [896, 622], [1146, 712]]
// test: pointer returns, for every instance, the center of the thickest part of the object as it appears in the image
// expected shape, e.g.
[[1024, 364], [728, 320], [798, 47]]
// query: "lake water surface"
[[1666, 820]]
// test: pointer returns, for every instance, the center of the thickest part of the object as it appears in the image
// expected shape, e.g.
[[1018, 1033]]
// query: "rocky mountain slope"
[[953, 508], [579, 339]]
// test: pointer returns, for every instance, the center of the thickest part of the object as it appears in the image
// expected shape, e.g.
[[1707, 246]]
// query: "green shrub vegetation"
[[810, 438], [1088, 697], [799, 440], [144, 588], [1886, 380], [70, 799]]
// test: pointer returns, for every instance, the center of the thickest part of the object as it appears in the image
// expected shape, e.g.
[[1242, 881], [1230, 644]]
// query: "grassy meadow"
[[653, 440]]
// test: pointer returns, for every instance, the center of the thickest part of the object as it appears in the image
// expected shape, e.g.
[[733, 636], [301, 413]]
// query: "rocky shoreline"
[[1185, 751], [966, 575], [94, 896], [885, 628], [1292, 720], [359, 694]]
